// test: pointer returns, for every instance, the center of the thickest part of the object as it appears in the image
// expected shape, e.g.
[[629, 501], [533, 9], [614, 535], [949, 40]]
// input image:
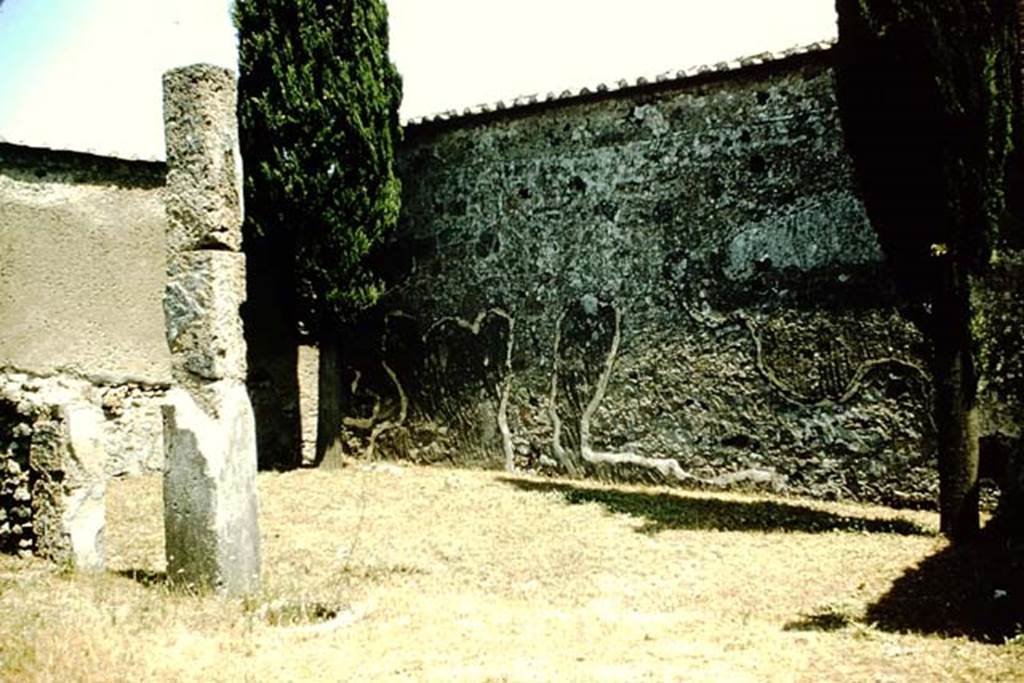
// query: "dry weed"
[[406, 573]]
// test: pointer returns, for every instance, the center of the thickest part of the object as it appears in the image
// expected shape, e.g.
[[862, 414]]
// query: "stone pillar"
[[210, 502]]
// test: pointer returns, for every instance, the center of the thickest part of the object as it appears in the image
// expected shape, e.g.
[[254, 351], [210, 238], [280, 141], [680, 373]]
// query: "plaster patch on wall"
[[832, 231], [83, 267]]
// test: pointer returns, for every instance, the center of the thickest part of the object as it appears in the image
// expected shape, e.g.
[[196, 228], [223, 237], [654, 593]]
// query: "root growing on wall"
[[403, 413], [668, 468], [852, 387], [384, 418], [502, 389], [373, 423]]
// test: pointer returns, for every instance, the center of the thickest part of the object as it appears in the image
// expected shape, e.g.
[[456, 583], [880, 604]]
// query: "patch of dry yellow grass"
[[465, 575]]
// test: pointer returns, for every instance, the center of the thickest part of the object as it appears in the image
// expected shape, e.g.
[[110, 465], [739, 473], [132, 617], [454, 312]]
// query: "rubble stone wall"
[[16, 534], [674, 282], [52, 478]]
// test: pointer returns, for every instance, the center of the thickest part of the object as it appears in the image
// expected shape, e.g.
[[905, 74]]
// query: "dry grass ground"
[[455, 575]]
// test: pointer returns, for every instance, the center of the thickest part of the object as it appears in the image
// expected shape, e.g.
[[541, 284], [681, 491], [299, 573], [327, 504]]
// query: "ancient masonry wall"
[[52, 479], [82, 271], [121, 346], [674, 282], [84, 362]]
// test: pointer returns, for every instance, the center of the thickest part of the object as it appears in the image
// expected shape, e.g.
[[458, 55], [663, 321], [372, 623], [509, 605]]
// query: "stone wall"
[[16, 534], [121, 345], [84, 361], [673, 282], [52, 478], [82, 266], [82, 272]]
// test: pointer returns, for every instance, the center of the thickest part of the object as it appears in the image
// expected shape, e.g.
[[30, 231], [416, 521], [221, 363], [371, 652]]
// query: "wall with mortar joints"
[[718, 298]]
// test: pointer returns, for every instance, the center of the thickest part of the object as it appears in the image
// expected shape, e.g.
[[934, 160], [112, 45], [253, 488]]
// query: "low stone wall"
[[674, 283], [84, 362]]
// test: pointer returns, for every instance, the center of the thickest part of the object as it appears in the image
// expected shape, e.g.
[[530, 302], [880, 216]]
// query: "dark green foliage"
[[928, 101], [318, 112], [927, 91]]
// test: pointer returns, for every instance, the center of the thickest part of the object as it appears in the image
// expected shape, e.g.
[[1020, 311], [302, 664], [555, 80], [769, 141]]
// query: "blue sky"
[[85, 74]]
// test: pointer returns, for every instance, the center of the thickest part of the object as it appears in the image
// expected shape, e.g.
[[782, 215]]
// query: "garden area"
[[382, 571]]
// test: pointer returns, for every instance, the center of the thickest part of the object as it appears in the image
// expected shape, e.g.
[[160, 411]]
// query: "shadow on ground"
[[670, 511], [827, 620], [144, 577], [975, 591]]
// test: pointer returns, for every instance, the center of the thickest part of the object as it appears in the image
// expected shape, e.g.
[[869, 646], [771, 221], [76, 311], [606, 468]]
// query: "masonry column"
[[210, 503]]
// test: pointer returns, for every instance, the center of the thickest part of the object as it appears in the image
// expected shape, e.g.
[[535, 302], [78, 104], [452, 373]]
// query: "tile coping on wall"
[[659, 80]]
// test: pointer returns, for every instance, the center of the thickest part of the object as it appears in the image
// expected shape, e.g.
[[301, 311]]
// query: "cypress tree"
[[926, 93], [318, 116], [318, 119]]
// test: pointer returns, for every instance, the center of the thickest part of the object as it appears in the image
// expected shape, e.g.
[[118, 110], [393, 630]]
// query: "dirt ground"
[[391, 572]]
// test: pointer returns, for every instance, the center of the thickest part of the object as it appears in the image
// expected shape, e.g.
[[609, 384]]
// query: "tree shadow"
[[664, 511], [974, 590], [144, 577], [825, 621]]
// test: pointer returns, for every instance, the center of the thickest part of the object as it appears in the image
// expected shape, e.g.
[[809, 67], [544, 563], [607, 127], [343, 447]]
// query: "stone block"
[[210, 500], [69, 523], [204, 175], [68, 496], [204, 328]]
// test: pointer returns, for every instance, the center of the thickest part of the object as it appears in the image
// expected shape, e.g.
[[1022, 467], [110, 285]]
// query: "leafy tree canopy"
[[927, 88], [318, 112], [928, 100]]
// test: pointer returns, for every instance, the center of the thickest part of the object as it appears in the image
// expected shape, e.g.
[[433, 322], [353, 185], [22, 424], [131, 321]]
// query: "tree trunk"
[[955, 416], [330, 451], [271, 350]]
